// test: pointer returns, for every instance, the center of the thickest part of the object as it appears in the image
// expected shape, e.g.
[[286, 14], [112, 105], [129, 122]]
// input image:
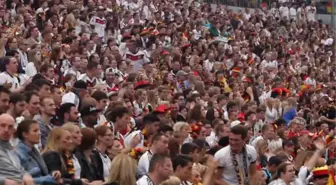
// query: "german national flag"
[[250, 61], [235, 71]]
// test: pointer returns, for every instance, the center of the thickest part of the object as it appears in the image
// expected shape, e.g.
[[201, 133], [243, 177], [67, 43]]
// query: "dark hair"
[[281, 169], [156, 159], [182, 161], [53, 87], [44, 68], [64, 108], [116, 112], [210, 115], [248, 114], [157, 137], [165, 128], [3, 89], [201, 143], [29, 94], [150, 118], [188, 148], [24, 127], [229, 105], [221, 97], [279, 122], [11, 53], [101, 130], [266, 127], [239, 130], [41, 82], [91, 65], [99, 95], [88, 139], [16, 97], [275, 160]]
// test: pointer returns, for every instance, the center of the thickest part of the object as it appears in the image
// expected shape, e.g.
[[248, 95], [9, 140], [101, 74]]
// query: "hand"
[[96, 183], [28, 180], [56, 174], [212, 163], [322, 118], [319, 145], [10, 182], [26, 114], [85, 181]]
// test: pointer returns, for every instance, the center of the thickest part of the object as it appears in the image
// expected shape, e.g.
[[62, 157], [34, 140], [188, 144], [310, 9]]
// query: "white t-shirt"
[[311, 12], [143, 165], [31, 69], [99, 25], [223, 156], [5, 77]]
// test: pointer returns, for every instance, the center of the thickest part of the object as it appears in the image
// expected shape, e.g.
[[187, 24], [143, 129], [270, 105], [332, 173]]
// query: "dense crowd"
[[165, 92]]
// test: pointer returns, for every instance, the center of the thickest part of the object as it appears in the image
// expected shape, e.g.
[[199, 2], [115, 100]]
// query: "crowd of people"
[[165, 92]]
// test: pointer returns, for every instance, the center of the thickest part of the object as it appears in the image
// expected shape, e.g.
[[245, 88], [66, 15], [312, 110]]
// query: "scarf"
[[236, 167], [69, 164]]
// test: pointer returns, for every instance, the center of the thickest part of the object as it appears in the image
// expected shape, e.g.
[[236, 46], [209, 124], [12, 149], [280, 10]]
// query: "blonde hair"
[[152, 98], [53, 141], [179, 126], [70, 126], [171, 181], [124, 170]]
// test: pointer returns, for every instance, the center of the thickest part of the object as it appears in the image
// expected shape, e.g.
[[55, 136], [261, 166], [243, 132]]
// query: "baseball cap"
[[234, 123], [88, 110]]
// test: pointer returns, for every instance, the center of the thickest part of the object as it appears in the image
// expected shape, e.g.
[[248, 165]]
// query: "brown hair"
[[88, 139]]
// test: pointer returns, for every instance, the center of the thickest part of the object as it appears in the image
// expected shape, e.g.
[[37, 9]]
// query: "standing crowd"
[[165, 92]]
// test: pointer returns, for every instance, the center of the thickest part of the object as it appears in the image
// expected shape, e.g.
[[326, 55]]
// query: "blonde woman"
[[76, 134], [123, 171], [35, 61], [271, 111], [57, 155]]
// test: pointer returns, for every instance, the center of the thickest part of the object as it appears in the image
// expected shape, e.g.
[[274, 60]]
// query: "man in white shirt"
[[311, 12], [159, 146], [8, 78], [99, 22], [237, 161], [75, 65], [292, 12], [284, 11], [209, 63], [160, 168]]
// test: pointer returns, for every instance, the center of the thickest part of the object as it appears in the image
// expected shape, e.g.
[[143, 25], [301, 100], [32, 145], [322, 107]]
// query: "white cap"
[[234, 123]]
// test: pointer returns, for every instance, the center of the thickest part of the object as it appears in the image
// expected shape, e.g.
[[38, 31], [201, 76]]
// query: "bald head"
[[7, 129]]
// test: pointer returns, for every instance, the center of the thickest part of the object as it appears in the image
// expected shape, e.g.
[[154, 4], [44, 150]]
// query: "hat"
[[163, 108], [142, 84], [181, 73], [234, 123], [88, 110], [80, 84], [321, 172]]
